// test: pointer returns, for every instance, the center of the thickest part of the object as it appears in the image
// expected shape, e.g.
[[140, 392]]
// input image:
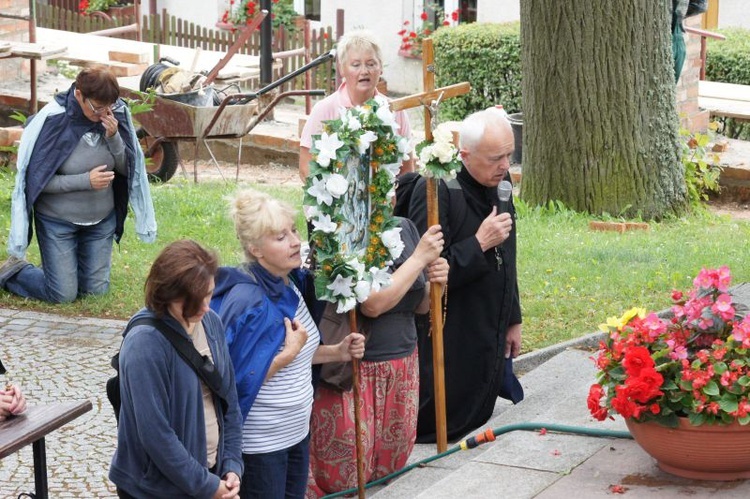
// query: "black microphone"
[[504, 190]]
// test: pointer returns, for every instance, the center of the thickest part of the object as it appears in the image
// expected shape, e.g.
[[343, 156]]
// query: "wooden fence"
[[166, 29]]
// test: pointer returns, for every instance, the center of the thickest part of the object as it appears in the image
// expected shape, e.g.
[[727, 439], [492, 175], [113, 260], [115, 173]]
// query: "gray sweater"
[[68, 195]]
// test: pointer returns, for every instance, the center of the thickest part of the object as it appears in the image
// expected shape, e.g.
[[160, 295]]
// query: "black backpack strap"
[[456, 203], [201, 364]]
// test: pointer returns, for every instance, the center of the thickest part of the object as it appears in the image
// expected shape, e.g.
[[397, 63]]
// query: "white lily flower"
[[341, 286], [353, 123], [392, 169], [324, 224], [387, 117], [382, 101], [327, 146], [319, 192], [311, 211], [381, 278], [362, 290], [392, 240], [390, 195], [337, 185], [404, 147], [358, 267], [364, 141], [346, 305]]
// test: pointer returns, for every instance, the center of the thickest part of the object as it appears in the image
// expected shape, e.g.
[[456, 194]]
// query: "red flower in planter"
[[693, 364]]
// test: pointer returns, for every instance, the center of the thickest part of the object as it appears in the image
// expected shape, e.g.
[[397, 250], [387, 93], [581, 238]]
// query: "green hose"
[[575, 430]]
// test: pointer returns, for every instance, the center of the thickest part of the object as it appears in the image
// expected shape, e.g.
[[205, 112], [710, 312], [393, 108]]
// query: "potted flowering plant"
[[685, 371], [89, 6], [695, 364], [240, 12], [363, 143]]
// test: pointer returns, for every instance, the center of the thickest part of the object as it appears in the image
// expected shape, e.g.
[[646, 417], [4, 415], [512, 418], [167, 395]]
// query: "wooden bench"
[[31, 427], [727, 100]]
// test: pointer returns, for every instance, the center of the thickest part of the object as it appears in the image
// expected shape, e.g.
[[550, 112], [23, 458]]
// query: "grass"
[[570, 278]]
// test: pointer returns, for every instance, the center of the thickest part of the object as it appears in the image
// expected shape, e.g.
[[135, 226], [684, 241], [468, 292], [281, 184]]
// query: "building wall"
[[203, 13], [385, 20], [498, 11], [734, 13]]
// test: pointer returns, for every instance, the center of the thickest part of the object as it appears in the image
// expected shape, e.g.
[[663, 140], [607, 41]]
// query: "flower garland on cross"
[[439, 158], [365, 135]]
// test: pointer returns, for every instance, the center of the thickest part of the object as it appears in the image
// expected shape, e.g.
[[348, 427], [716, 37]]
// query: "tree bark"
[[600, 124]]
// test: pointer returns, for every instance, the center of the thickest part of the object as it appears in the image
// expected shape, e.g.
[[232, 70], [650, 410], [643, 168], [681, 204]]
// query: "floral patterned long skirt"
[[389, 392]]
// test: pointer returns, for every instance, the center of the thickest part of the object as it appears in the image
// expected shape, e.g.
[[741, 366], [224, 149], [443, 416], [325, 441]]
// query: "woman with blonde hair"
[[273, 342], [360, 63]]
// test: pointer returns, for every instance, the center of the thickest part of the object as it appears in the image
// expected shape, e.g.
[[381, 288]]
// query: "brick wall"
[[691, 117], [13, 30]]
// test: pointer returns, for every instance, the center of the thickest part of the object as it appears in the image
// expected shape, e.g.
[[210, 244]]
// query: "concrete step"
[[556, 393]]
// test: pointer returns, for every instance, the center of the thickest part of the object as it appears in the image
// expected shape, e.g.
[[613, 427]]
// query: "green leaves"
[[488, 56]]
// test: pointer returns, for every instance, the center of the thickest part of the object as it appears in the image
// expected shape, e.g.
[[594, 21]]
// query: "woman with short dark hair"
[[176, 436], [79, 168]]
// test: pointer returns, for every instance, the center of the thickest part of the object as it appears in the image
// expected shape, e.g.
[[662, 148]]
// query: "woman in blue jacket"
[[273, 342], [176, 438]]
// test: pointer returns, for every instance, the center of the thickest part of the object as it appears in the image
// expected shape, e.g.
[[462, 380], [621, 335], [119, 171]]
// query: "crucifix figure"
[[430, 99]]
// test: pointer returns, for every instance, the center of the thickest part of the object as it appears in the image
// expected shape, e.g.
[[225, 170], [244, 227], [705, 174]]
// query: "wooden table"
[[31, 427], [725, 99]]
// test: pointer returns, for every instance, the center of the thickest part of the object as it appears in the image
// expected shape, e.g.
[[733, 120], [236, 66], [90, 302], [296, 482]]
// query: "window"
[[312, 10], [467, 12]]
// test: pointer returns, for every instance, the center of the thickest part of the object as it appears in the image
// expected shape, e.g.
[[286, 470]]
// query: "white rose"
[[444, 152], [336, 185], [442, 135], [425, 155], [392, 240]]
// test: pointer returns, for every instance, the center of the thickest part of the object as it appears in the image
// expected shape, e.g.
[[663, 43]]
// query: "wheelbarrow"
[[173, 120]]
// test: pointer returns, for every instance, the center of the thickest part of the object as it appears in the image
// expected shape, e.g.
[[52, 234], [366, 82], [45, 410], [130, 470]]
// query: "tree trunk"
[[600, 123]]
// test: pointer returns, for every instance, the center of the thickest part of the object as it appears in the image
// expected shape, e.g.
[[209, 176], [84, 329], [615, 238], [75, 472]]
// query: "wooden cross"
[[430, 99]]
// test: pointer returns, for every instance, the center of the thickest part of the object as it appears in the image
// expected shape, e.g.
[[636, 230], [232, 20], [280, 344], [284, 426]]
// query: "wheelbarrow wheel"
[[161, 164]]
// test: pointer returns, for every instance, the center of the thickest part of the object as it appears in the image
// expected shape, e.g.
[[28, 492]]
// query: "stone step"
[[555, 394]]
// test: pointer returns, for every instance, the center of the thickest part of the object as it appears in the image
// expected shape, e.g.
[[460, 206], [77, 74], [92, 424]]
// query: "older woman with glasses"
[[79, 166]]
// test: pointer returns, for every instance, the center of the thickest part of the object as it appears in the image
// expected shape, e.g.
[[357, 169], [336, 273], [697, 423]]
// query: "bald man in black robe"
[[483, 315]]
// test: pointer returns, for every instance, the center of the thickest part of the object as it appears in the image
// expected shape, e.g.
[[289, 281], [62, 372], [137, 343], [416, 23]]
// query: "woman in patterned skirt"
[[388, 379]]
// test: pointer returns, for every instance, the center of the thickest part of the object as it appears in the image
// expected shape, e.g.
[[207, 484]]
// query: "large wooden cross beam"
[[430, 99]]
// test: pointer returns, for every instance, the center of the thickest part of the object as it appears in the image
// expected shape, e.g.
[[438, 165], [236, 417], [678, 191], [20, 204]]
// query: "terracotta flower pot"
[[706, 452]]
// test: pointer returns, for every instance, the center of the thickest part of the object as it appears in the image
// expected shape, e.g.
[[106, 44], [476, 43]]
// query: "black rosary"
[[499, 257]]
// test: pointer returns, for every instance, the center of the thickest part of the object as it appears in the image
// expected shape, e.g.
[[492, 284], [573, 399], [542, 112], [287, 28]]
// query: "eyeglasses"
[[102, 109]]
